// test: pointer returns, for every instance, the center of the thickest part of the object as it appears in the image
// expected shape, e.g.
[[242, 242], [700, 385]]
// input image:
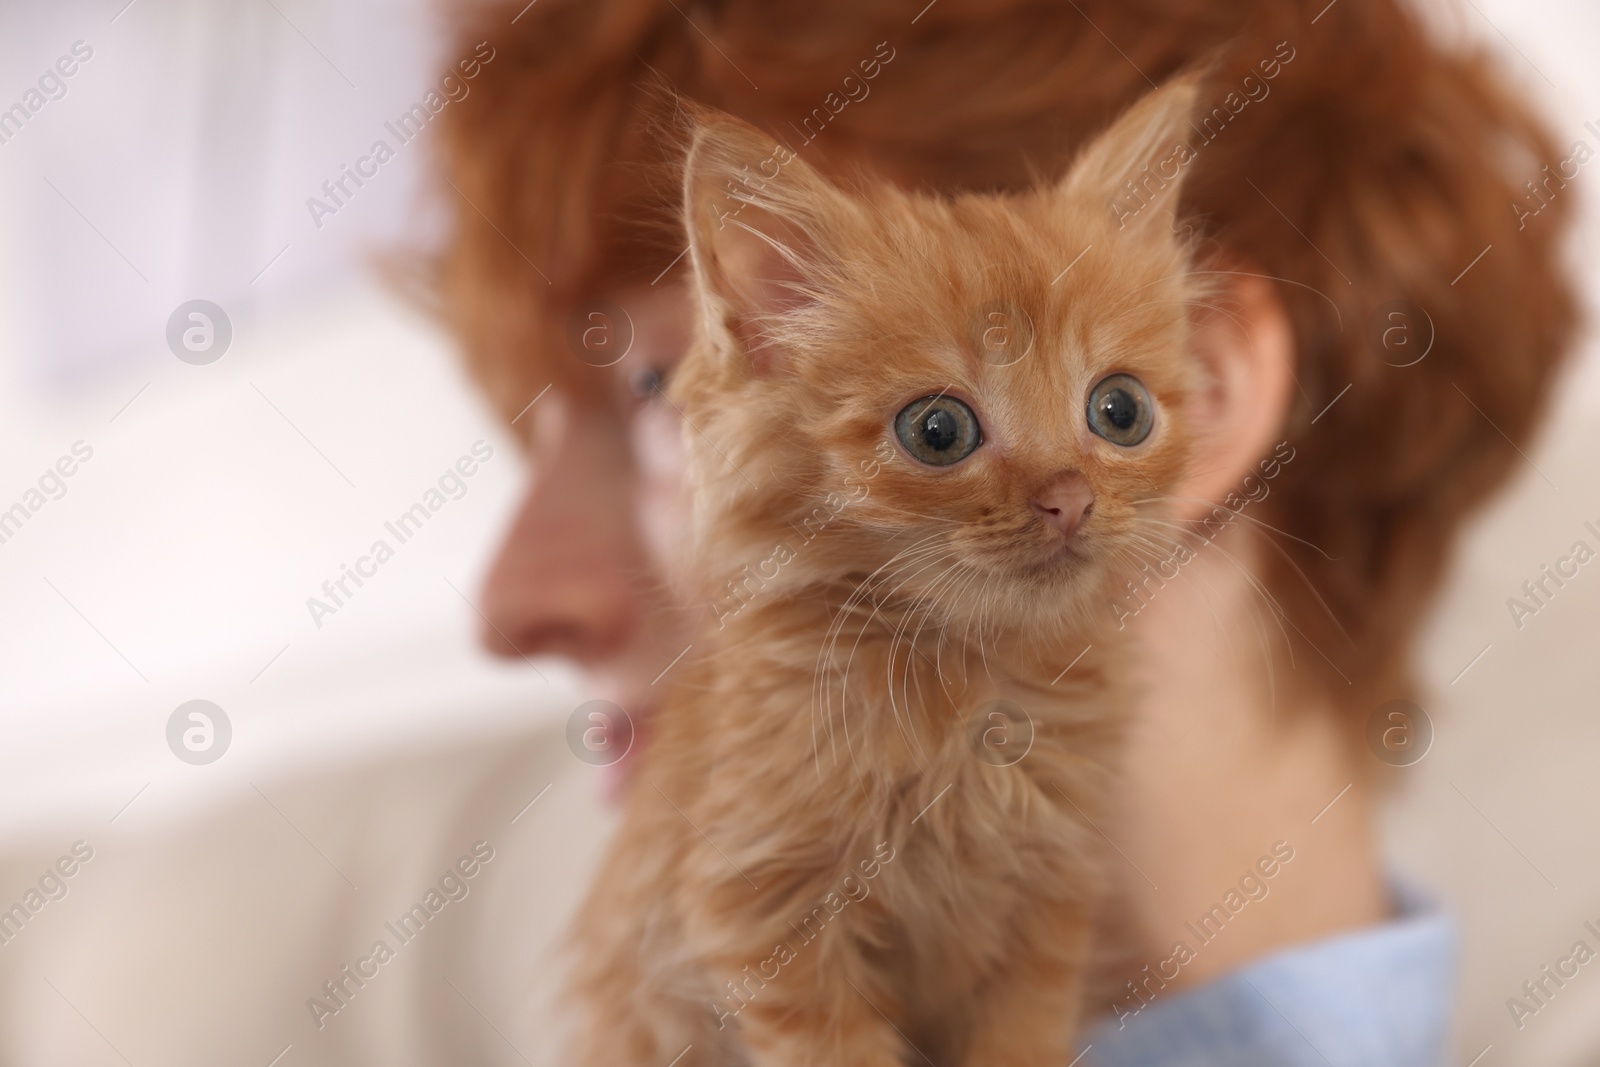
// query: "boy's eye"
[[645, 382], [938, 430], [1120, 410]]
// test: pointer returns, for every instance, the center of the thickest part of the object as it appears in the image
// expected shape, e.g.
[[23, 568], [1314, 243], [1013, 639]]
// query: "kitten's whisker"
[[1288, 559], [1207, 600], [822, 699], [1248, 518], [1192, 302], [894, 645], [1253, 583], [925, 597], [918, 554], [944, 629], [912, 651], [948, 581], [1204, 585], [827, 655], [1287, 281], [1262, 638], [1301, 574], [845, 516], [983, 615], [1188, 277]]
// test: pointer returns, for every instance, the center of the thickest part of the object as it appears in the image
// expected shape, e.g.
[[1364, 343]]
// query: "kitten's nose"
[[1064, 502]]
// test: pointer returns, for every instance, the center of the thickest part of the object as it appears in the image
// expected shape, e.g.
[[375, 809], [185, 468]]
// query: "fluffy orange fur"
[[817, 865]]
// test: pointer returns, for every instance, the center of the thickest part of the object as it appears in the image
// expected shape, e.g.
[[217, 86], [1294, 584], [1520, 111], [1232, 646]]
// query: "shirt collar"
[[1378, 997]]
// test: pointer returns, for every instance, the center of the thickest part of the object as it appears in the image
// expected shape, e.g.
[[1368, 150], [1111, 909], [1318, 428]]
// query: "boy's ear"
[[756, 217], [1244, 342], [1153, 133]]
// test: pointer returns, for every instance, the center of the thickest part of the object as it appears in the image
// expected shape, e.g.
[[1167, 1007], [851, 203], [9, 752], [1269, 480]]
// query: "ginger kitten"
[[924, 453]]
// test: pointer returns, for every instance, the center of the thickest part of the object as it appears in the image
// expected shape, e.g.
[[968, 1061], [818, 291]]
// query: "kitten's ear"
[[1154, 133], [757, 218]]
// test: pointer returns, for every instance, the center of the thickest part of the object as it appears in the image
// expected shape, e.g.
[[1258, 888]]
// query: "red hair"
[[1373, 166]]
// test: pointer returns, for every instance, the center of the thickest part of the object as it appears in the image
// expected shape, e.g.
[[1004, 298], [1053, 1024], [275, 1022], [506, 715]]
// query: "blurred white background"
[[219, 498]]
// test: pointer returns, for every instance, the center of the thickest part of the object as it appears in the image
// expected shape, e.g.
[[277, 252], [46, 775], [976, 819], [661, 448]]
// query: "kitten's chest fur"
[[867, 707], [807, 740]]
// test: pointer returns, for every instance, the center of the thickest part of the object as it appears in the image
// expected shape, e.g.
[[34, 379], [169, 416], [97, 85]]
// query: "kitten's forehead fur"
[[824, 310]]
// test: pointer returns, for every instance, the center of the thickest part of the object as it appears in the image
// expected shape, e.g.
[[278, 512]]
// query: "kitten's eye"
[[938, 430], [1121, 411]]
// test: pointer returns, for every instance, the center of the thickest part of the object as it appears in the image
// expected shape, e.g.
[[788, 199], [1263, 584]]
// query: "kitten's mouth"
[[1067, 558]]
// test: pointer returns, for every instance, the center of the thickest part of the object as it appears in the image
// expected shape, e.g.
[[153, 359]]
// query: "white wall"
[[220, 497]]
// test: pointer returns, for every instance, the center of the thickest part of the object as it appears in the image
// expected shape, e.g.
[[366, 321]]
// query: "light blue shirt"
[[1380, 997]]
